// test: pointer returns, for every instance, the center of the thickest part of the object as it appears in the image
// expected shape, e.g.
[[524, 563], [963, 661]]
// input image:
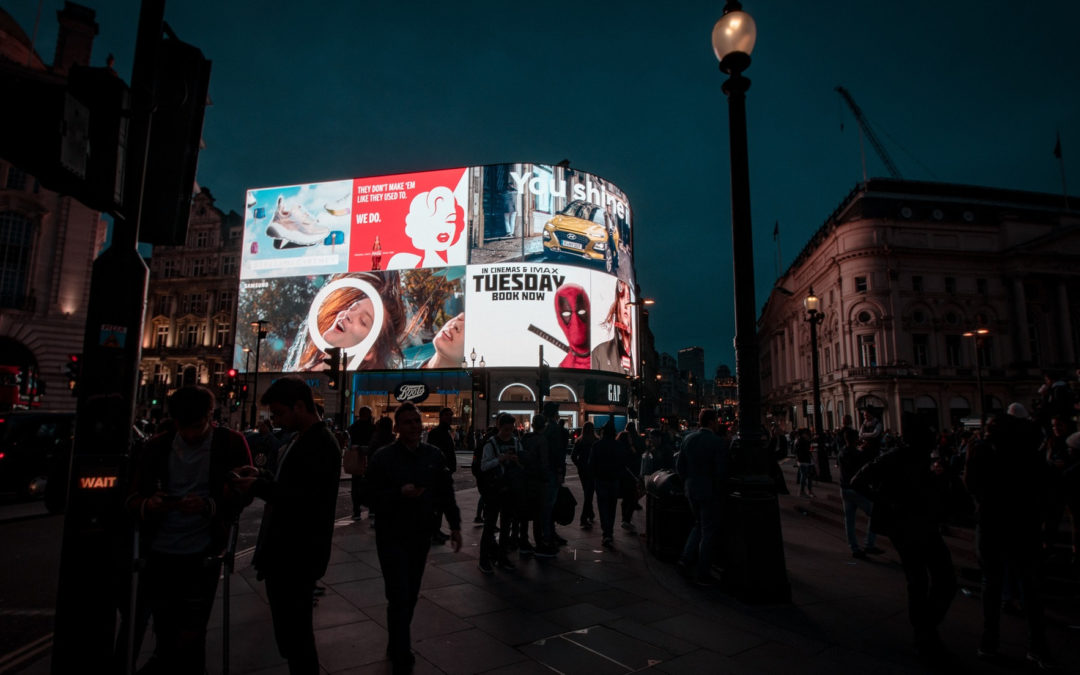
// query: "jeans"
[[931, 578], [291, 609], [607, 494], [806, 483], [402, 559], [701, 541], [496, 505], [852, 502], [180, 590], [588, 487], [999, 552]]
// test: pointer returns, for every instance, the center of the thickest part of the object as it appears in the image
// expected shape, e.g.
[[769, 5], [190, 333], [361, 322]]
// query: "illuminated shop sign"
[[414, 271]]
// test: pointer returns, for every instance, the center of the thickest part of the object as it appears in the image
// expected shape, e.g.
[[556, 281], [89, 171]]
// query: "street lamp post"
[[755, 569], [979, 334], [260, 335], [814, 317]]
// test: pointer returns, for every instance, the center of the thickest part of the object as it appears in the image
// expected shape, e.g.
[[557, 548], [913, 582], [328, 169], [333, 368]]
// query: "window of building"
[[161, 339], [235, 233], [867, 351], [228, 266], [161, 375], [170, 268], [198, 267], [202, 239], [952, 350], [225, 301], [836, 350], [161, 305], [193, 303], [221, 334], [950, 284], [981, 286], [193, 335], [860, 284], [218, 376], [920, 348], [828, 360], [916, 284], [16, 242], [16, 178]]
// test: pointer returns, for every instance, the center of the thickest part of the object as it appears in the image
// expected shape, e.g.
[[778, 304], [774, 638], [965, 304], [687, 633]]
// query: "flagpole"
[[776, 238]]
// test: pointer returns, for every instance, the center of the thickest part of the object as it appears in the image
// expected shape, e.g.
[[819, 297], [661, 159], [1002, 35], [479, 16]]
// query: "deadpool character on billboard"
[[572, 311]]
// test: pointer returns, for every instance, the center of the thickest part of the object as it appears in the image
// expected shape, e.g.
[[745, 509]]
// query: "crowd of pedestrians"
[[1016, 480]]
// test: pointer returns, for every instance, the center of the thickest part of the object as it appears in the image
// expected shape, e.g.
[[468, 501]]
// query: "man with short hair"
[[500, 472], [409, 482], [442, 437], [183, 502], [293, 548], [702, 464]]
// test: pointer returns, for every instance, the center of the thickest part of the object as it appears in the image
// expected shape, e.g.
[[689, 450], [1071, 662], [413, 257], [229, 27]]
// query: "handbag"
[[565, 505], [355, 460]]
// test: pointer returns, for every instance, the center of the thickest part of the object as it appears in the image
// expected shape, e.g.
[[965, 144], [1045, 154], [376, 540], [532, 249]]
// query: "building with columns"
[[907, 272], [190, 319]]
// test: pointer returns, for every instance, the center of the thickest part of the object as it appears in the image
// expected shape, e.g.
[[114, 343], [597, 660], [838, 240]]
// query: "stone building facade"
[[903, 270], [48, 241], [189, 328]]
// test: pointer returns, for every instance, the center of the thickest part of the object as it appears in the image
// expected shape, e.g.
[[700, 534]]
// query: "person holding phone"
[[184, 504], [409, 483]]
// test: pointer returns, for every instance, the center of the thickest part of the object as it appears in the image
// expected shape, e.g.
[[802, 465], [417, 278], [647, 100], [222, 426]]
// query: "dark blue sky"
[[967, 91]]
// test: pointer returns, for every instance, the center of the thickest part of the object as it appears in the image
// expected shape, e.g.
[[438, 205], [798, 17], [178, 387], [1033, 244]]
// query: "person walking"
[[580, 458], [442, 437], [500, 473], [805, 458], [899, 484], [184, 505], [851, 458], [360, 433], [702, 464], [410, 483], [293, 548], [607, 463]]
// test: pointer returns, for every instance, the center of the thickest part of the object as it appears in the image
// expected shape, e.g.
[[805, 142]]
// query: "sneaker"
[[859, 553], [1040, 661], [525, 549], [295, 225], [545, 551], [505, 564], [873, 550], [629, 527], [608, 542], [486, 567]]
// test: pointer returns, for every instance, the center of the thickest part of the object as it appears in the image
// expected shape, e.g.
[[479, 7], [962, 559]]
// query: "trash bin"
[[667, 515]]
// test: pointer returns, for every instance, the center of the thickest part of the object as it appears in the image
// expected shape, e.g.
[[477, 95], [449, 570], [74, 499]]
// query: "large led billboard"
[[419, 270]]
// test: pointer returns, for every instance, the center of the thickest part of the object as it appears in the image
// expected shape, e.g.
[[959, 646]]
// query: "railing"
[[869, 372]]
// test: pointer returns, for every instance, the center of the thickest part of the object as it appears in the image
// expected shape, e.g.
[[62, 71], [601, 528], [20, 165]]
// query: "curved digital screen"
[[422, 270]]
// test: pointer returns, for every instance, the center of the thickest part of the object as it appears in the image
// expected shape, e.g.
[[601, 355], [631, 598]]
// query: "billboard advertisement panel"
[[415, 270]]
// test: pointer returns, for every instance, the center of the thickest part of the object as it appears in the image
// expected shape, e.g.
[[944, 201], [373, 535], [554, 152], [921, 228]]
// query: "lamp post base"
[[755, 571]]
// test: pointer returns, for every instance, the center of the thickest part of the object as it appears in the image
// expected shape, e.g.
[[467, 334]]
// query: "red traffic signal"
[[232, 372]]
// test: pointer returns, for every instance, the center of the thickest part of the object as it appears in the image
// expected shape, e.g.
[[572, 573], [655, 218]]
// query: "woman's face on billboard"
[[351, 325]]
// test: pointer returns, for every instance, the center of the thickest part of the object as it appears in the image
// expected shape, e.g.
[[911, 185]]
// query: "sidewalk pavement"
[[598, 611]]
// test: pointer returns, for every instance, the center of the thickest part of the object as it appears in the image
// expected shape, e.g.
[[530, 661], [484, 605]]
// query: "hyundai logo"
[[571, 237]]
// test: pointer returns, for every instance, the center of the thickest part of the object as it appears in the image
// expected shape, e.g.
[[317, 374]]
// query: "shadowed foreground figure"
[[899, 484]]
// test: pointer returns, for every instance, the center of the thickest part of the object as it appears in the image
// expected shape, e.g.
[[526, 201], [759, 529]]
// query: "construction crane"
[[864, 129]]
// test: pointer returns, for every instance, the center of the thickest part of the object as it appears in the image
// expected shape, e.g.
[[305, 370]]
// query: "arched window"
[[16, 243]]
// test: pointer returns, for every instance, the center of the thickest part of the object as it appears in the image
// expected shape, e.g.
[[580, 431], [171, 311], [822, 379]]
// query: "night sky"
[[966, 91]]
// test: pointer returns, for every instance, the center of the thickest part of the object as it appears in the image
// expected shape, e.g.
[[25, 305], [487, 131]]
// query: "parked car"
[[33, 445], [586, 231]]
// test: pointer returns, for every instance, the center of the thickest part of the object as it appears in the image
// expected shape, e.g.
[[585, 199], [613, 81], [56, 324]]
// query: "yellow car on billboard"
[[584, 230]]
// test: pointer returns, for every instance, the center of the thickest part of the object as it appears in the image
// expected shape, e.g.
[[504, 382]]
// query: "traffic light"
[[181, 80], [73, 369], [334, 361], [478, 384]]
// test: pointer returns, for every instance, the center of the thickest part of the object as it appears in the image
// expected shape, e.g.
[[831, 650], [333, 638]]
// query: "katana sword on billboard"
[[414, 270]]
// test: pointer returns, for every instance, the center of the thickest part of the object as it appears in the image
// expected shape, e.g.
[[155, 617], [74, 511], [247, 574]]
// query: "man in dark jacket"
[[702, 464], [184, 505], [442, 437], [293, 549], [1008, 481], [360, 433], [898, 482], [409, 482]]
